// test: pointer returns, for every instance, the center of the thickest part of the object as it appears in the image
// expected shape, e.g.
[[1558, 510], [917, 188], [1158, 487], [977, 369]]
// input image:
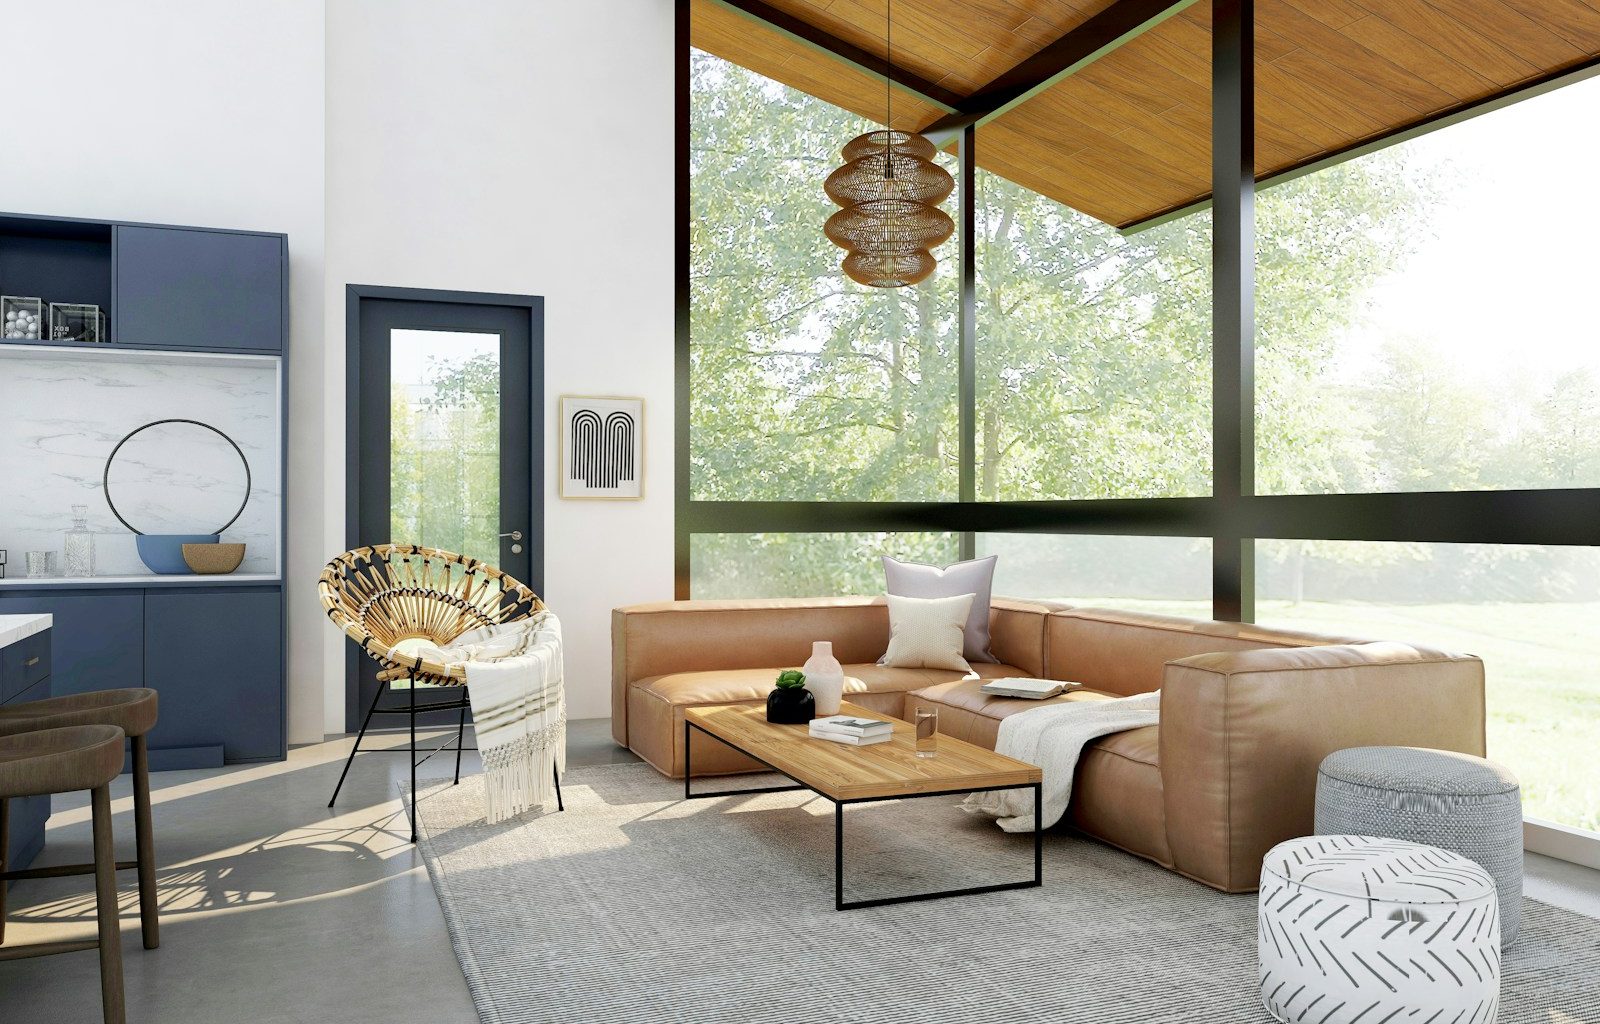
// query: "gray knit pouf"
[[1454, 801]]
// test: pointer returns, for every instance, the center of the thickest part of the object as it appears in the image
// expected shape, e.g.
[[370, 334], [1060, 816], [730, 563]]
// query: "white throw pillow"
[[928, 632]]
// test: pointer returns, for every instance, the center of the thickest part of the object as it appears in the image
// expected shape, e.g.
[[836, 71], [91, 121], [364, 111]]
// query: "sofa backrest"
[[700, 636], [1126, 652]]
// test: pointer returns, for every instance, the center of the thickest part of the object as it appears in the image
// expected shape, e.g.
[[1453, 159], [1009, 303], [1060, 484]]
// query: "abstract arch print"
[[601, 447]]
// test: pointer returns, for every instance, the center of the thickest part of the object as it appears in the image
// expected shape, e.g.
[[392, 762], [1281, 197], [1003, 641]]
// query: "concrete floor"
[[276, 909]]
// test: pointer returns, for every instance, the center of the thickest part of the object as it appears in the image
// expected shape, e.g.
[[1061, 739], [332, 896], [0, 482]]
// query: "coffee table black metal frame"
[[839, 902]]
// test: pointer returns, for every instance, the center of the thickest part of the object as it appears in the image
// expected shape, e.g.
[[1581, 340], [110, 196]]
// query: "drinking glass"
[[41, 564], [927, 723]]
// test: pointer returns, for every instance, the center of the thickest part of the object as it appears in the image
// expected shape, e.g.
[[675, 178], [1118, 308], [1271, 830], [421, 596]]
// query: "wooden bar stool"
[[47, 761], [134, 712]]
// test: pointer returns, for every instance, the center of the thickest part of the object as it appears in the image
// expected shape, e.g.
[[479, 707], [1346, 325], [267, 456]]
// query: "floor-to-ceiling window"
[[1454, 347], [1423, 334]]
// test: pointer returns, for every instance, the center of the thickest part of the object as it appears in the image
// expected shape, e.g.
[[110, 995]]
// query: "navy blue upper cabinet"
[[198, 289]]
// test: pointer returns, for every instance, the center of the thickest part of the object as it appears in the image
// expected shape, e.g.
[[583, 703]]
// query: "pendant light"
[[889, 189]]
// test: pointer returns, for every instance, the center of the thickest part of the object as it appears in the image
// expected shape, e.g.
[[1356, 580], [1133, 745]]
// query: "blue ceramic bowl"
[[163, 552]]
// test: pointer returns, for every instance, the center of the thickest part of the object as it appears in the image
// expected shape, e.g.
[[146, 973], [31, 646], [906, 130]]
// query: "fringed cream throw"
[[519, 709]]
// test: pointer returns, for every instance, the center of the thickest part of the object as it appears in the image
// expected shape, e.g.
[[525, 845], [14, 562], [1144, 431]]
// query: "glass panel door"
[[444, 441]]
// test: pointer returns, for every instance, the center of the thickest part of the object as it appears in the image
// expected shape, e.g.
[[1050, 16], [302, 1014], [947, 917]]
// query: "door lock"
[[516, 536]]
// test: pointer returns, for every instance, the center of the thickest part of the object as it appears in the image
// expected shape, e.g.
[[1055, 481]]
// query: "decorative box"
[[76, 321], [23, 318]]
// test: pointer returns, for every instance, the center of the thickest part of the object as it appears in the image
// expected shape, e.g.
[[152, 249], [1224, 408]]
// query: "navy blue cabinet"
[[199, 289], [98, 637], [24, 676], [216, 658], [215, 654]]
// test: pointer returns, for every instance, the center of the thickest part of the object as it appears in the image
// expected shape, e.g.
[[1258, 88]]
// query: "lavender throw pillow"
[[913, 579]]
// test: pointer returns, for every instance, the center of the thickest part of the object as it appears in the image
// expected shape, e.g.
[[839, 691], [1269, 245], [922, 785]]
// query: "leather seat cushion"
[[1116, 794], [655, 707]]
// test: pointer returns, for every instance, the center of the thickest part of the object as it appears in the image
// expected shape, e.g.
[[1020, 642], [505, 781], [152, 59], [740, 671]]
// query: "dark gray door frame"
[[534, 304]]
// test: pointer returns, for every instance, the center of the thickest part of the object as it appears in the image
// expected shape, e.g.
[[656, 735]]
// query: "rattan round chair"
[[384, 595]]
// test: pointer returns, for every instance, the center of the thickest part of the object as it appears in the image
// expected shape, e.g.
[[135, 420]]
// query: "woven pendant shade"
[[879, 141], [865, 179], [877, 270], [889, 226]]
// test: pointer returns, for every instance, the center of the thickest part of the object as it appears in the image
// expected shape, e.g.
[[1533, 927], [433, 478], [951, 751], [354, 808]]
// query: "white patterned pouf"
[[1356, 928]]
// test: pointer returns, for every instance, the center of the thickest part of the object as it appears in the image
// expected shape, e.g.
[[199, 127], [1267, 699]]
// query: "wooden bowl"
[[213, 559]]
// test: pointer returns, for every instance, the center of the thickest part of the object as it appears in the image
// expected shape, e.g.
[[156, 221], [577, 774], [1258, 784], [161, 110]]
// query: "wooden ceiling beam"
[[862, 60], [1077, 49]]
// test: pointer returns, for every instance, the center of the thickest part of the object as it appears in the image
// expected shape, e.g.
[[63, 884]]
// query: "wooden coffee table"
[[847, 774]]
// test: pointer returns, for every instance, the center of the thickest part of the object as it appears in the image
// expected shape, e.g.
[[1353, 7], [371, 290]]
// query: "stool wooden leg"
[[105, 898], [146, 848]]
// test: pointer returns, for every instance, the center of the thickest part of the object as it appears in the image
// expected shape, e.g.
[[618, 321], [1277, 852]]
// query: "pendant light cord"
[[888, 88]]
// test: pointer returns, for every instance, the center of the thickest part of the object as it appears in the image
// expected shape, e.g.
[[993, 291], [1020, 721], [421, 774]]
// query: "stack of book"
[[858, 732], [1033, 689]]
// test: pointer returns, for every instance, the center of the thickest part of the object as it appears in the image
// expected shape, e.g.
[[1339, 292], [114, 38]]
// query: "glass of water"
[[927, 723]]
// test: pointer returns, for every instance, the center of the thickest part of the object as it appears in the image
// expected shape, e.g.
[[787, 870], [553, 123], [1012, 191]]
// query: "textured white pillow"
[[928, 632]]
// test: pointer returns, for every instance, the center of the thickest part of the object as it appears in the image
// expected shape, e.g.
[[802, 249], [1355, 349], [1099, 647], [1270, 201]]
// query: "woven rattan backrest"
[[381, 595]]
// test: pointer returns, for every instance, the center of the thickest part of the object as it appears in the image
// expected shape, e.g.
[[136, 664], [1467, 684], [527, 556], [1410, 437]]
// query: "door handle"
[[516, 538], [514, 535]]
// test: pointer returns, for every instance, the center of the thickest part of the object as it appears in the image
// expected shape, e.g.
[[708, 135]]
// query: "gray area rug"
[[634, 905]]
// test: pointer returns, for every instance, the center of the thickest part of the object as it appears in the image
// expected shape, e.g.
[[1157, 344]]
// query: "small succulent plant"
[[790, 679]]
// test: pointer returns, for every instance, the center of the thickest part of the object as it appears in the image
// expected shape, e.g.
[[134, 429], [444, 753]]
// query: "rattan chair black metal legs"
[[385, 595], [134, 711], [412, 710], [50, 761]]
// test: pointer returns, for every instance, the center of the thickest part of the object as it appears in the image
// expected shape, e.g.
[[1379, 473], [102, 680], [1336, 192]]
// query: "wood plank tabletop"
[[841, 771]]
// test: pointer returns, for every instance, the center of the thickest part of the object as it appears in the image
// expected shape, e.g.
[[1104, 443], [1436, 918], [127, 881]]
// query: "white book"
[[1033, 689], [851, 725], [854, 741]]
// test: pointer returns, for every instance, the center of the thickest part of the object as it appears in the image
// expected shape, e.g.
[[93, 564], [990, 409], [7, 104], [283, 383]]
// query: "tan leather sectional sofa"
[[1247, 713]]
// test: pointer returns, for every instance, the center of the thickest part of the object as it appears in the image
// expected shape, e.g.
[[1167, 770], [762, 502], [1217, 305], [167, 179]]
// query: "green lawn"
[[1543, 684]]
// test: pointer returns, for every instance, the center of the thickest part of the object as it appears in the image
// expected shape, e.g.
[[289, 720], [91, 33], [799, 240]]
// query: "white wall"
[[477, 146], [205, 113], [491, 149]]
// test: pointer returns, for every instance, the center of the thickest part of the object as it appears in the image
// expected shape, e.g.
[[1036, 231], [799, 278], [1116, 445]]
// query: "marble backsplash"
[[61, 416]]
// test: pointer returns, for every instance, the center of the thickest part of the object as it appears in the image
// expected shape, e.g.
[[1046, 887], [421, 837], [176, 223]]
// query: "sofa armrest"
[[1242, 735]]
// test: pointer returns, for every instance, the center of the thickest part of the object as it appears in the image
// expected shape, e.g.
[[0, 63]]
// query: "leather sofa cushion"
[[1125, 653], [655, 707], [1116, 795], [969, 714]]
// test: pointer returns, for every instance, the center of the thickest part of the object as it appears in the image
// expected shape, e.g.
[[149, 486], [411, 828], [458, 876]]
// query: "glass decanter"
[[78, 555]]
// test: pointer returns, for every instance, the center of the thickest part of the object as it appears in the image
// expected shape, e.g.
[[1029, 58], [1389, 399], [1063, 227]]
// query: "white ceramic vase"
[[824, 678]]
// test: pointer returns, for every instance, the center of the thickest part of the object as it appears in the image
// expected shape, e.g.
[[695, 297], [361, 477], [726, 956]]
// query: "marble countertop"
[[20, 627]]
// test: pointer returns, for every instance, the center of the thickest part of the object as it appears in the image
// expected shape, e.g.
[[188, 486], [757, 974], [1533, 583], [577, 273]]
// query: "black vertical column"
[[967, 383], [681, 351], [1233, 258]]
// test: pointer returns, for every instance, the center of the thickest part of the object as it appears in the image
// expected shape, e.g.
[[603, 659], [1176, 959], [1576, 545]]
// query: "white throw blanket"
[[519, 708], [1053, 737]]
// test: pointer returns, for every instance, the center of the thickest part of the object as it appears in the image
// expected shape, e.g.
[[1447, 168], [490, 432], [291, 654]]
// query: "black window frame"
[[1233, 516]]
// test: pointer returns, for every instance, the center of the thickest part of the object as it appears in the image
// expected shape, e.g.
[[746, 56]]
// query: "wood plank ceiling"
[[1128, 137]]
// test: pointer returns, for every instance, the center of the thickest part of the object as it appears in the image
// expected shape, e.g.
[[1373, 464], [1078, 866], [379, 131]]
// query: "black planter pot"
[[791, 705]]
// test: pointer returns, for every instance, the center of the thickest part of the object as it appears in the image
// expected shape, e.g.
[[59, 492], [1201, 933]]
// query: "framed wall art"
[[602, 447]]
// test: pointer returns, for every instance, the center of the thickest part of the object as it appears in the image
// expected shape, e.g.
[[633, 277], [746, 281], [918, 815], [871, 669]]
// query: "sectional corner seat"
[[1247, 713]]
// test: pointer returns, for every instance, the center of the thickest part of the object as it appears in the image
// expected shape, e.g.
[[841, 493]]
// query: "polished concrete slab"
[[275, 908]]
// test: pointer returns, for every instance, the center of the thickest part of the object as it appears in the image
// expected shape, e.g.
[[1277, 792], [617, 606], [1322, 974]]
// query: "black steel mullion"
[[967, 384], [1233, 257], [681, 314]]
